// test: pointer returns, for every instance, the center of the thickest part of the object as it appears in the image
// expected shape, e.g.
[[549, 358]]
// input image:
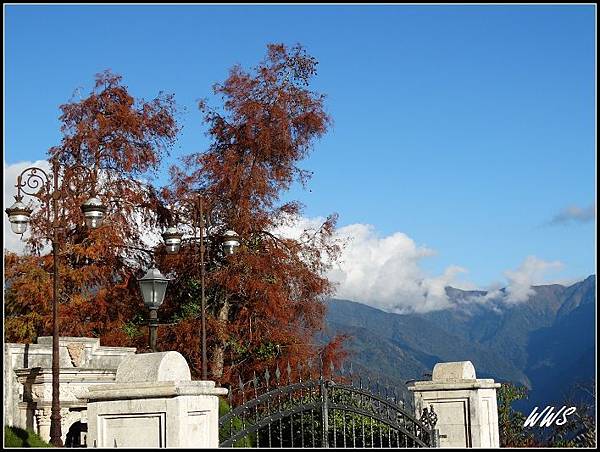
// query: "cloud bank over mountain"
[[386, 272], [533, 271]]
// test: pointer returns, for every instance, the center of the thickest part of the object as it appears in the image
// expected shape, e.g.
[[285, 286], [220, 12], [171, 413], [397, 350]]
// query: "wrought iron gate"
[[321, 411]]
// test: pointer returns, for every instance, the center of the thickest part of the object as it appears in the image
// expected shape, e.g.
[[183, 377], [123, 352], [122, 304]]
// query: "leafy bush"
[[580, 429], [510, 421], [233, 426]]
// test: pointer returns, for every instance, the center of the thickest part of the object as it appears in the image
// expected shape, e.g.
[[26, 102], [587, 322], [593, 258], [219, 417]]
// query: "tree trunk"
[[218, 356]]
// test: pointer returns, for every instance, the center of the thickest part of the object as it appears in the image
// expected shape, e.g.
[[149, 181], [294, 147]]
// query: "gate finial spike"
[[320, 366], [432, 417], [299, 368], [289, 372], [267, 376], [241, 383], [277, 373]]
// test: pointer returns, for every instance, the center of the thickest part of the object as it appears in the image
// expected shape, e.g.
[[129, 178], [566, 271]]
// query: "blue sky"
[[467, 128]]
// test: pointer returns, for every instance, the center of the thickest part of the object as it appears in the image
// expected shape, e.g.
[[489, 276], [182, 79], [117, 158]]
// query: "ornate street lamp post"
[[230, 243], [51, 188], [153, 287]]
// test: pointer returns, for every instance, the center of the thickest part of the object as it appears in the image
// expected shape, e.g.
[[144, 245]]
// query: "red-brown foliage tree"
[[265, 302], [121, 140]]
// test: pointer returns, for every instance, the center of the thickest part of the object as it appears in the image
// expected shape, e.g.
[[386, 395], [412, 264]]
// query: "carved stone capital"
[[42, 416]]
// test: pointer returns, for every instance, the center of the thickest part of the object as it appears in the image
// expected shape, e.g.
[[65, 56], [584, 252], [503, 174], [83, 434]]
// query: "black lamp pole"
[[153, 326], [203, 299], [55, 427]]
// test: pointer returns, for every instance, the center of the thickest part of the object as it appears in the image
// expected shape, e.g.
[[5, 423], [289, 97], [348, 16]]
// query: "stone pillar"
[[154, 403], [466, 406]]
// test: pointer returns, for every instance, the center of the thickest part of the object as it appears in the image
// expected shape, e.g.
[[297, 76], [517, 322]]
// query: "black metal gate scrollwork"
[[321, 411]]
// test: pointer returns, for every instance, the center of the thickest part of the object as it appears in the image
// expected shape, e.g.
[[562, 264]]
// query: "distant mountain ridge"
[[546, 342]]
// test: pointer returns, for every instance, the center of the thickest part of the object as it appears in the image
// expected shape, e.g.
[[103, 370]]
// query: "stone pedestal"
[[154, 403], [466, 406]]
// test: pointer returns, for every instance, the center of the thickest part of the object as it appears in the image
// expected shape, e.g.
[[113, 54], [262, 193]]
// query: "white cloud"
[[293, 227], [12, 241], [519, 286], [574, 214], [384, 272], [531, 272]]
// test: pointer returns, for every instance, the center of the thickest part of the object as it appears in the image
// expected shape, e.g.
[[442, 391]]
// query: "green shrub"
[[17, 437], [234, 426]]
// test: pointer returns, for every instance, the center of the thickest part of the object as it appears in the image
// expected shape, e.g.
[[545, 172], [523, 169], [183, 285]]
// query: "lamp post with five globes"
[[52, 188]]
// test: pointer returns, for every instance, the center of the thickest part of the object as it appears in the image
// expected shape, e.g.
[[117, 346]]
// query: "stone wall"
[[149, 400]]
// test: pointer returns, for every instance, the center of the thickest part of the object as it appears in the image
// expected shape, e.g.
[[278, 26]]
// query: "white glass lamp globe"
[[93, 211]]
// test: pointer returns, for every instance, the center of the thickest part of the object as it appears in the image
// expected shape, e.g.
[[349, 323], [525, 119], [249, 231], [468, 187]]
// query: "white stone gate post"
[[466, 407], [154, 403]]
